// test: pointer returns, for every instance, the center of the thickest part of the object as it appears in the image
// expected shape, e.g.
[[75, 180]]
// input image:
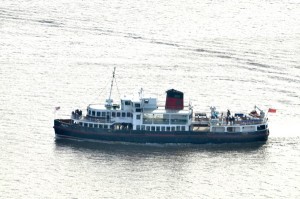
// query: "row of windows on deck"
[[94, 125], [112, 114], [138, 127], [160, 128], [238, 128]]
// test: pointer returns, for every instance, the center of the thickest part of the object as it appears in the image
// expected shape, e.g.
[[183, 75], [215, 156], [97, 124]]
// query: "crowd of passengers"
[[76, 114]]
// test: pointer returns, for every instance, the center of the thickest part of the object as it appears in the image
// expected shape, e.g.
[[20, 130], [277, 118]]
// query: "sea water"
[[229, 54]]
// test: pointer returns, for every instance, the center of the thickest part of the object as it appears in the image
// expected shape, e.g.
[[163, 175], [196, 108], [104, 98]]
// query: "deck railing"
[[223, 122]]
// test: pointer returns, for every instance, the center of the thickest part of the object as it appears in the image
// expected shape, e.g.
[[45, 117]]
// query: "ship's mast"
[[109, 101]]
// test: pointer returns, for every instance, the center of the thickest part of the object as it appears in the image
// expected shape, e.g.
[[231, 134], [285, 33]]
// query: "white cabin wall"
[[149, 103], [126, 105], [136, 121]]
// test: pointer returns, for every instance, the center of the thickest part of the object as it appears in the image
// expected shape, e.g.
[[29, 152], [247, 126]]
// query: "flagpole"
[[55, 110], [267, 114]]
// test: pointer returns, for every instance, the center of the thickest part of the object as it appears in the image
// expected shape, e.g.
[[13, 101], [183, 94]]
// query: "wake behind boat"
[[145, 121]]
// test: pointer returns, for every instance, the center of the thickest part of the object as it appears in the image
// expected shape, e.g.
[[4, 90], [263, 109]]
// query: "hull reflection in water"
[[137, 149]]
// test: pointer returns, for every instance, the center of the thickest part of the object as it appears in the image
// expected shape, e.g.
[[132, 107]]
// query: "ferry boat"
[[143, 120]]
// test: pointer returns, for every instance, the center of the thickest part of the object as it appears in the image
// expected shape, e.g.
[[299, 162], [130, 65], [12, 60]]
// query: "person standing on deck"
[[228, 116], [228, 113]]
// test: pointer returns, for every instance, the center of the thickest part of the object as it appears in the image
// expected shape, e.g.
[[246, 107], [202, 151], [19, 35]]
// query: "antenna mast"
[[112, 82], [109, 101]]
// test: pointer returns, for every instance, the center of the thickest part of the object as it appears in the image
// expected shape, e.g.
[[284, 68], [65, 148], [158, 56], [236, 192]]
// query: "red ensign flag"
[[272, 110]]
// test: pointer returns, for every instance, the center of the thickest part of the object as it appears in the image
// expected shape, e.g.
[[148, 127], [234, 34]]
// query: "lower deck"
[[64, 128], [228, 128]]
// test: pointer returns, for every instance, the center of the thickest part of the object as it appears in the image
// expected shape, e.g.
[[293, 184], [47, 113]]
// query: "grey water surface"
[[229, 54]]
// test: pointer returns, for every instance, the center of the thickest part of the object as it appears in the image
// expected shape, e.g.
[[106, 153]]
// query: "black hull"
[[66, 130]]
